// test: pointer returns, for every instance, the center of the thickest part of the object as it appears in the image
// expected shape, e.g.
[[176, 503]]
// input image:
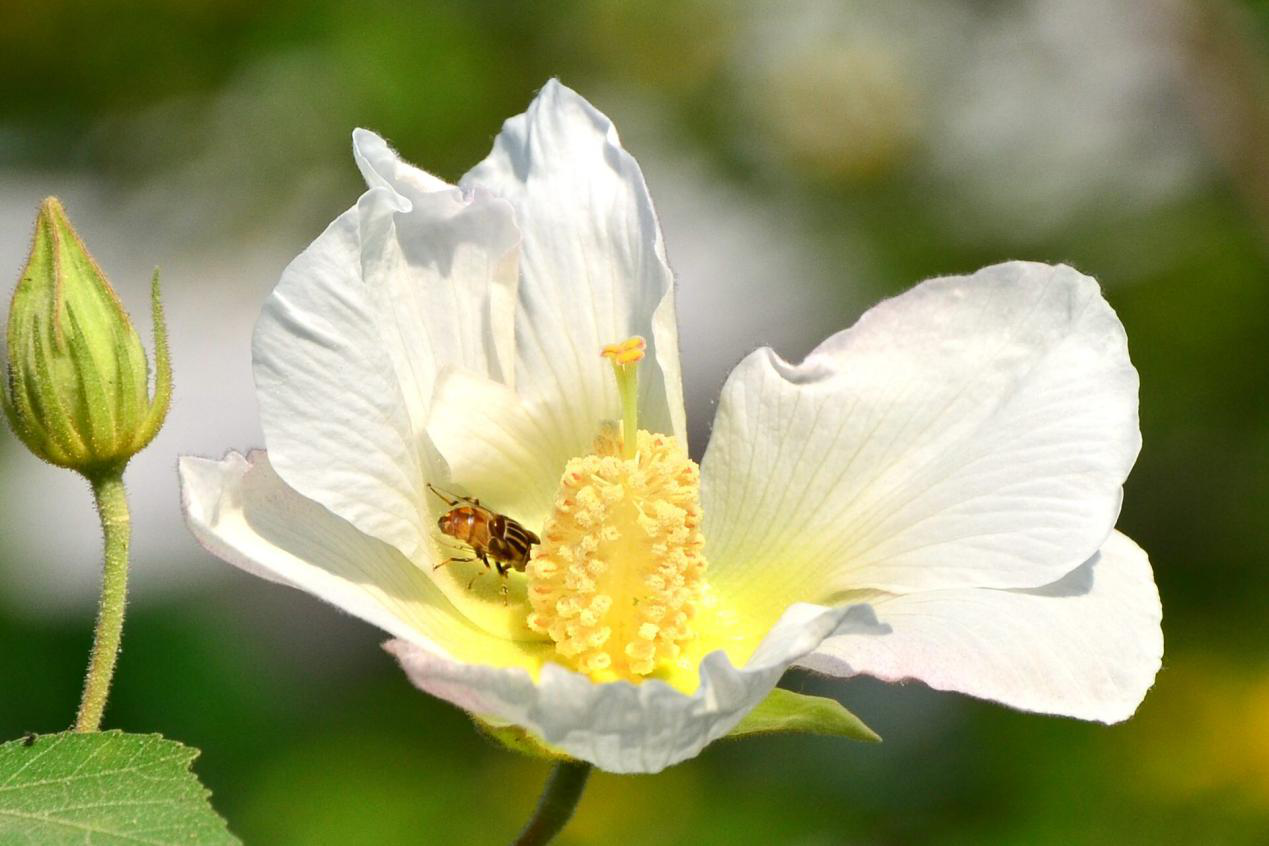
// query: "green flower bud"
[[77, 391]]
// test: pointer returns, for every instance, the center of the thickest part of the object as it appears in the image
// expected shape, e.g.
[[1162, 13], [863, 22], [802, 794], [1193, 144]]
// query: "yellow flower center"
[[620, 572]]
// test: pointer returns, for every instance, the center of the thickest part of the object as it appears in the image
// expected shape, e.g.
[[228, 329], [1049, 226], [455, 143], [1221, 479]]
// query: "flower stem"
[[555, 807], [112, 508]]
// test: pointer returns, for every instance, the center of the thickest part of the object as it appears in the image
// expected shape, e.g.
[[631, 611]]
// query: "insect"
[[491, 536], [28, 739]]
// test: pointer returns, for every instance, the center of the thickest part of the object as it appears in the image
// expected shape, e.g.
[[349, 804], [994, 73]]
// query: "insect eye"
[[440, 523]]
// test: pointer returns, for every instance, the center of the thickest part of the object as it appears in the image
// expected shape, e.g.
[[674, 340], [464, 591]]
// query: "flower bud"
[[77, 392]]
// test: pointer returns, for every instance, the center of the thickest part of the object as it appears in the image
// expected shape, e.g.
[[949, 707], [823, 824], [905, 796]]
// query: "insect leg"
[[503, 570], [452, 561]]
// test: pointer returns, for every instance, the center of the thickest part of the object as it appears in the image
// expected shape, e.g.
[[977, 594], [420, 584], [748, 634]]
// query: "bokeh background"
[[807, 158]]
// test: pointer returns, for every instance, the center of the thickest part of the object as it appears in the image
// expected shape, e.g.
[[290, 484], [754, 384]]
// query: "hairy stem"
[[112, 508], [555, 807]]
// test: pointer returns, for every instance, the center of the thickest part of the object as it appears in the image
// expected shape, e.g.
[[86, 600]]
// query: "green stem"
[[112, 508], [559, 800]]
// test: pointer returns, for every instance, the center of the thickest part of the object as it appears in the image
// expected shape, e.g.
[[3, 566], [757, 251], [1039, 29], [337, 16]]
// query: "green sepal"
[[519, 740], [786, 712], [162, 399]]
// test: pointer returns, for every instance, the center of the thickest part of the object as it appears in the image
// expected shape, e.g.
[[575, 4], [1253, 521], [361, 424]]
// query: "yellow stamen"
[[619, 575], [625, 358]]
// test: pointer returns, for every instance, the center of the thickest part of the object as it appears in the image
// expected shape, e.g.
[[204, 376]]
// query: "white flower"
[[930, 495]]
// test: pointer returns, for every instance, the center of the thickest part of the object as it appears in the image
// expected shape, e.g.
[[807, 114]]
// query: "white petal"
[[593, 267], [622, 727], [334, 416], [445, 272], [242, 512], [348, 345], [498, 446], [974, 431], [381, 167], [1087, 646]]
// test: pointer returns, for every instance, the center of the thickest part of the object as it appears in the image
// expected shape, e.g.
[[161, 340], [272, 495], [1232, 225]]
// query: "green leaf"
[[104, 789], [786, 711]]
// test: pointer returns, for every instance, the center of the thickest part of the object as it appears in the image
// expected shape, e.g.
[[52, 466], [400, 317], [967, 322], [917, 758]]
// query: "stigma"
[[620, 572]]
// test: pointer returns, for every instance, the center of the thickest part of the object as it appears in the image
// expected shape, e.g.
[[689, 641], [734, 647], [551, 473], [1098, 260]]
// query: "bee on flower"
[[930, 495]]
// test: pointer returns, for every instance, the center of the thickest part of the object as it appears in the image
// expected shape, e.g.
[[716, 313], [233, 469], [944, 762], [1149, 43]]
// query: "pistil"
[[625, 358]]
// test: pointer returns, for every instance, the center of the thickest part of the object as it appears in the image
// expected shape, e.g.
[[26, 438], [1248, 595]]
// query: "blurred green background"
[[807, 158]]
